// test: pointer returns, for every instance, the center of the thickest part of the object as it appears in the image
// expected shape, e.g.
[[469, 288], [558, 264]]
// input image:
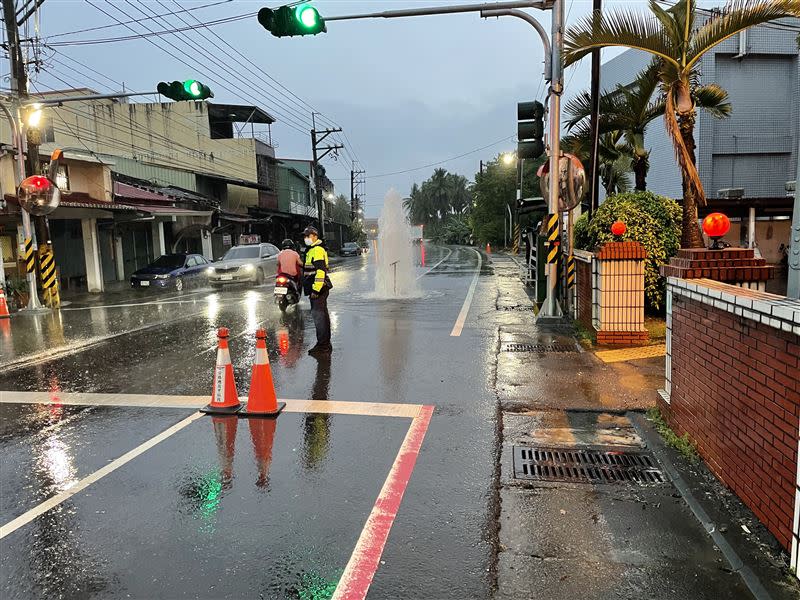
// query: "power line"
[[288, 121], [505, 139], [113, 25]]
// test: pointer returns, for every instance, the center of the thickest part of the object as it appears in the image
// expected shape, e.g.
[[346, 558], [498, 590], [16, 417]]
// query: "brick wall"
[[583, 293], [734, 387]]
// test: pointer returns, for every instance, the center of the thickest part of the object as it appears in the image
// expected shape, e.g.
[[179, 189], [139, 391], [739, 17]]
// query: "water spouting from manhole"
[[395, 277]]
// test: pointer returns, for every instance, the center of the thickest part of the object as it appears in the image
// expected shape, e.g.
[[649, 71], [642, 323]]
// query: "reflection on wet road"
[[228, 508]]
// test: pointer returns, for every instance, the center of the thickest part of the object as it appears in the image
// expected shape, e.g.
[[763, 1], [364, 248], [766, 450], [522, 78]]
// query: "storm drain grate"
[[539, 348], [586, 465]]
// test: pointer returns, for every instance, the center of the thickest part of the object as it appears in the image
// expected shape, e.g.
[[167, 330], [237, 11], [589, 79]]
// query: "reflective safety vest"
[[315, 269]]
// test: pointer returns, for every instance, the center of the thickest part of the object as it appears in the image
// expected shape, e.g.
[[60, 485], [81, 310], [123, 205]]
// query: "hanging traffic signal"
[[285, 21], [530, 129], [191, 89]]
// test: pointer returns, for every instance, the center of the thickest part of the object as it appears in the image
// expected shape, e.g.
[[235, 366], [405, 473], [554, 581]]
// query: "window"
[[241, 252], [201, 260], [48, 132], [62, 177], [192, 261]]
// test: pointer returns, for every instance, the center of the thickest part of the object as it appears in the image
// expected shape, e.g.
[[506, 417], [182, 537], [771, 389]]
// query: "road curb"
[[736, 563]]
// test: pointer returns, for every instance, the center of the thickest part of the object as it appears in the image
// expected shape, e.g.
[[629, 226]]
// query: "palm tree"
[[671, 37], [439, 188], [614, 156]]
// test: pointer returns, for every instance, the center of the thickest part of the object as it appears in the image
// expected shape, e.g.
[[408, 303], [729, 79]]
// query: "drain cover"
[[539, 348], [585, 465]]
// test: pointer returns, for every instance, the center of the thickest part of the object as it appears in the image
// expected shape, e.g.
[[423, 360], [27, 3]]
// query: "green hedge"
[[652, 220]]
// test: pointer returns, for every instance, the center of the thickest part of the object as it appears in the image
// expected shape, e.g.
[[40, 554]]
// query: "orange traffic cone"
[[4, 314], [488, 248], [224, 398], [262, 401], [262, 432]]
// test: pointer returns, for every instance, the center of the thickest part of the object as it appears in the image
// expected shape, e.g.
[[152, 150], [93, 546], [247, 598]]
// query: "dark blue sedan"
[[171, 270]]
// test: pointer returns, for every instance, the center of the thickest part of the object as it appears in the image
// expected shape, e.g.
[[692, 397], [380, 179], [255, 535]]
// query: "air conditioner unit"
[[731, 193], [790, 187]]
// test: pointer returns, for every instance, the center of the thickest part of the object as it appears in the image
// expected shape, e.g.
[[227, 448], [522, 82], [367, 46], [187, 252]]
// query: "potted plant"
[[17, 291]]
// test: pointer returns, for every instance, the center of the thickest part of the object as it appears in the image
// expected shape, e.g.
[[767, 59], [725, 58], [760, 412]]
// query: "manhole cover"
[[539, 348], [585, 465]]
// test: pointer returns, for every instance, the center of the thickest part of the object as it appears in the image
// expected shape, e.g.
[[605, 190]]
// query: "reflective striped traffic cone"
[[4, 314], [262, 401], [224, 397]]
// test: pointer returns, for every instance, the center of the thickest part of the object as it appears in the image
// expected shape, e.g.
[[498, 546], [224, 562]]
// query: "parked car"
[[171, 270], [350, 249], [244, 264]]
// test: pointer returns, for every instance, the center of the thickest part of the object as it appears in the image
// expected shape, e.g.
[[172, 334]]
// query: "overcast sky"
[[408, 92]]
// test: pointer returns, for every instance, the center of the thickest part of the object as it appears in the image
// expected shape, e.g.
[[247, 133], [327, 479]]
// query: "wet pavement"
[[133, 533], [149, 499]]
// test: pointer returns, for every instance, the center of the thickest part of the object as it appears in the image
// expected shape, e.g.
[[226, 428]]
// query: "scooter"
[[286, 291]]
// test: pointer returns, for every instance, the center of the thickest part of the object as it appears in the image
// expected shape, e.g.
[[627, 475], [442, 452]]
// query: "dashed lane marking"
[[446, 256], [462, 316], [625, 354]]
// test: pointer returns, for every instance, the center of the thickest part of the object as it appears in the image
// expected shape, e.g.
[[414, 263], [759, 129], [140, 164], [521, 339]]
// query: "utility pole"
[[316, 138], [355, 199], [19, 93]]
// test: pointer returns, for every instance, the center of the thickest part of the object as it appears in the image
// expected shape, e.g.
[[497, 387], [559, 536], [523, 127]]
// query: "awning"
[[131, 192], [235, 217], [171, 211], [83, 202]]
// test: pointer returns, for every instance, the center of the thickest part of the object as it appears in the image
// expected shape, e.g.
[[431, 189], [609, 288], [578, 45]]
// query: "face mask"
[[308, 241]]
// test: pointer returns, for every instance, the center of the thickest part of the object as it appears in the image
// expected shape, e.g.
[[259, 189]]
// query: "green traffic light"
[[193, 88], [308, 16]]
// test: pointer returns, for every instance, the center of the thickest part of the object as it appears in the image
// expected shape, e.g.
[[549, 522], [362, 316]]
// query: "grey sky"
[[407, 92]]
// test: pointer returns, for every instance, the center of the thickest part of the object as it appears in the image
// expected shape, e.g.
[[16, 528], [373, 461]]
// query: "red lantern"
[[716, 225], [618, 228]]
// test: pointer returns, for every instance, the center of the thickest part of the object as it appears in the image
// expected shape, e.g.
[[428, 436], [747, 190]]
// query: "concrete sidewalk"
[[561, 539]]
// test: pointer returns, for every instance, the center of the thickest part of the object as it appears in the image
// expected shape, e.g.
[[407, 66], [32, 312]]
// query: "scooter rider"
[[316, 286], [289, 262]]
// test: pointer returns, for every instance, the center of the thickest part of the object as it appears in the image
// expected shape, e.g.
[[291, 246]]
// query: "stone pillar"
[[159, 245], [620, 294], [205, 240], [91, 254]]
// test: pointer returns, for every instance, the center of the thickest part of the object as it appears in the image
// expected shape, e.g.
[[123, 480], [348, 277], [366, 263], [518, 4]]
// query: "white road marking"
[[42, 508], [368, 409], [449, 252], [462, 316]]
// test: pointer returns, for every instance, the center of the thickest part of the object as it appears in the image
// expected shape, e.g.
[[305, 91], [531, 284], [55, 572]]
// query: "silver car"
[[244, 264]]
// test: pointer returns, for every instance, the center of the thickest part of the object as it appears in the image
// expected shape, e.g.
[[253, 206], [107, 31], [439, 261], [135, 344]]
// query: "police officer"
[[317, 286]]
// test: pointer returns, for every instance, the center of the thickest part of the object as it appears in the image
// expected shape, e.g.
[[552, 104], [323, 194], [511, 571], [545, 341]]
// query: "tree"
[[341, 211], [629, 109], [493, 190], [678, 46], [439, 198]]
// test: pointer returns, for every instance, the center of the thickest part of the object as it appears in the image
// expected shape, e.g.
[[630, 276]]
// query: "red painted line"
[[366, 556]]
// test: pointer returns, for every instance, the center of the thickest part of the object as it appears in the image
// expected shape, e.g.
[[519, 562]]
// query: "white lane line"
[[42, 508], [367, 409], [168, 300], [449, 252], [462, 316]]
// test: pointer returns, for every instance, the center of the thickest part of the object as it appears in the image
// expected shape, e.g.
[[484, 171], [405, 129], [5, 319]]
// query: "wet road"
[[239, 509]]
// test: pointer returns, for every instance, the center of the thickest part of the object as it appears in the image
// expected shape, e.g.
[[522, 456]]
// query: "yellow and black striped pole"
[[553, 241], [571, 271], [28, 256], [516, 238], [47, 269]]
